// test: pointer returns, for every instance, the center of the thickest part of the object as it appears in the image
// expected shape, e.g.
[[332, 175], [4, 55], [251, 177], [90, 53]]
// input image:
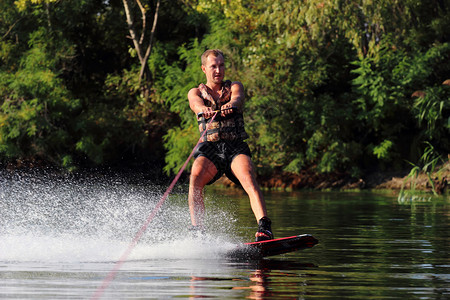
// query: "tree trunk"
[[144, 66], [144, 74]]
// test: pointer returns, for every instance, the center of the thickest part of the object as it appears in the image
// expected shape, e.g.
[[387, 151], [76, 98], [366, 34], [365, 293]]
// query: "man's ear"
[[203, 69]]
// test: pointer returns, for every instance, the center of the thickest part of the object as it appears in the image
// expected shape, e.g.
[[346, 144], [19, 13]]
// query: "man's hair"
[[214, 52]]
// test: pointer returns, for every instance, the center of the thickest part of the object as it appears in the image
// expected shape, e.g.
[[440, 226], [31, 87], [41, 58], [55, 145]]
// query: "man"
[[222, 150]]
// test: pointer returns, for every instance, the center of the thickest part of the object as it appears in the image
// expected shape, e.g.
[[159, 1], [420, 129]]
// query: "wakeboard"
[[256, 250]]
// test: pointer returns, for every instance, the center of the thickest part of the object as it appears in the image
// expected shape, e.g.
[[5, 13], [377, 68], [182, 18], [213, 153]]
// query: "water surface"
[[59, 239]]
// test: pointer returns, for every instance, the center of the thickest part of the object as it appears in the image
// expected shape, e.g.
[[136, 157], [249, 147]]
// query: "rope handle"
[[233, 108]]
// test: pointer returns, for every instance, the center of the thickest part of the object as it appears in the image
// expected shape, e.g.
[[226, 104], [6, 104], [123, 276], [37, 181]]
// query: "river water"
[[60, 238]]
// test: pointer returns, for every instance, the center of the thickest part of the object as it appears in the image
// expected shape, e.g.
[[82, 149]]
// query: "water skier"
[[223, 149]]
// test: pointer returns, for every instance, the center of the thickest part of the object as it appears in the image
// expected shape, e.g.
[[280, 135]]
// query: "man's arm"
[[237, 98], [197, 105]]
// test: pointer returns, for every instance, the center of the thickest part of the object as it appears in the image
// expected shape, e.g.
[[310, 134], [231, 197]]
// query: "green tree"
[[48, 85], [331, 86], [36, 108], [70, 90], [329, 83], [142, 42]]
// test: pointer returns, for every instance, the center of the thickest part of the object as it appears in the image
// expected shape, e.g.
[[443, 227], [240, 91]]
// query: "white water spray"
[[72, 220]]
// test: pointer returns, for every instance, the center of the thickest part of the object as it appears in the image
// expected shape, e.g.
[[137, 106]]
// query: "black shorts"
[[221, 154]]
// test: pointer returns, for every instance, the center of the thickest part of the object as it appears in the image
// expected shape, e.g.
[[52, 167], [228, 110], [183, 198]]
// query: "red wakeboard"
[[262, 249]]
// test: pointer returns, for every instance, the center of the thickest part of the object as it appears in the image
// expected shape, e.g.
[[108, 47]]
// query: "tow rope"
[[112, 274]]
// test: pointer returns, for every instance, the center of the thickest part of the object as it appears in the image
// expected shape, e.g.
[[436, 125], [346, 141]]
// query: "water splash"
[[90, 219]]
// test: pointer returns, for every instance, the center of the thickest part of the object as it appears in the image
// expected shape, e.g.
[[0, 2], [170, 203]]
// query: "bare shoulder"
[[237, 86], [193, 92]]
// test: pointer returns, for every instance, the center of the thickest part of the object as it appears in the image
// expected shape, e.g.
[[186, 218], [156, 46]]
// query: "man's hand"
[[226, 109], [207, 112]]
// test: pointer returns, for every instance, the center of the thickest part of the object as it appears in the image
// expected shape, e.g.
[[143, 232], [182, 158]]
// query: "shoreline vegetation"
[[436, 182], [339, 94]]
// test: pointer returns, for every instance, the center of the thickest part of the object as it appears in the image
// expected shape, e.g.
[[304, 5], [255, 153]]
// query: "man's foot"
[[264, 232]]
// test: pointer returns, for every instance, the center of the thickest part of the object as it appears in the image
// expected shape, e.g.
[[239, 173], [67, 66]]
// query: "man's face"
[[214, 69]]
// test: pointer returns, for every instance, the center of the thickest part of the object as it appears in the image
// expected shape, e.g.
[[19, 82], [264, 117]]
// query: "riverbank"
[[394, 181], [307, 179]]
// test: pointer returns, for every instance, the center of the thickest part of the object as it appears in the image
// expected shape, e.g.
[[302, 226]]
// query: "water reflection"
[[259, 286], [265, 278], [273, 278], [60, 239]]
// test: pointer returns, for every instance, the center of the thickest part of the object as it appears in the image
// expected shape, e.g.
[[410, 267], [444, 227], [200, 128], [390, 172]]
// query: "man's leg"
[[244, 171], [202, 172]]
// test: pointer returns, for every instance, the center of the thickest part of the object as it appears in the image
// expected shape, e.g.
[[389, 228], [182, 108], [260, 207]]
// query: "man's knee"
[[200, 178], [197, 181], [202, 172], [247, 180]]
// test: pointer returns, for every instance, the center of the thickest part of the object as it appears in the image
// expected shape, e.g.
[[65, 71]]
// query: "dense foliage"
[[334, 86]]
